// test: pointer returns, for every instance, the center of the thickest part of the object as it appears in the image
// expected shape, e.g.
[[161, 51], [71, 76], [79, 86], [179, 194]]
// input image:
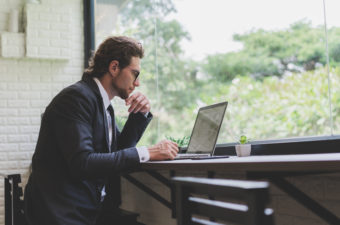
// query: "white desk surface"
[[326, 162]]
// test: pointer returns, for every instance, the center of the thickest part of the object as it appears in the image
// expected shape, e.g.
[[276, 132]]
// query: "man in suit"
[[80, 152]]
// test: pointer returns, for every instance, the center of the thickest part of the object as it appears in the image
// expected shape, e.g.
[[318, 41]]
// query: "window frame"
[[298, 145], [89, 30]]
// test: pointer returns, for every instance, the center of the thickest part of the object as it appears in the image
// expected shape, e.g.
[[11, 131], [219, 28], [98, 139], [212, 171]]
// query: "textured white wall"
[[47, 30], [12, 45], [28, 85]]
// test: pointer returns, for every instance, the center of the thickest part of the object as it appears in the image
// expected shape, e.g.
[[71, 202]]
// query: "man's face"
[[127, 79]]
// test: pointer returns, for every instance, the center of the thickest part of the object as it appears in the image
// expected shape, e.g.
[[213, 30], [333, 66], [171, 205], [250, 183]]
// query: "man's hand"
[[138, 103], [163, 150]]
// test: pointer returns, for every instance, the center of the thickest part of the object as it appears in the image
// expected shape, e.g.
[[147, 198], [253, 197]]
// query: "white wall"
[[28, 85]]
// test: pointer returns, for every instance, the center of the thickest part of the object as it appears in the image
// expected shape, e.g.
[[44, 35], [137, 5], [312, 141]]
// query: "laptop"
[[205, 132]]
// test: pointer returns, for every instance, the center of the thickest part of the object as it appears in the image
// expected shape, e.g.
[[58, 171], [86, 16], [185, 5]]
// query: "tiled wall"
[[27, 85], [47, 30]]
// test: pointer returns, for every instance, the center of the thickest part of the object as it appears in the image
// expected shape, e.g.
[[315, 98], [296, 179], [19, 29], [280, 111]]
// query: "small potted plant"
[[181, 142], [243, 148]]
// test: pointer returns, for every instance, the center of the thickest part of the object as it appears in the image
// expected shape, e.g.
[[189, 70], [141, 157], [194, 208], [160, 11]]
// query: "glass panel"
[[267, 59], [135, 19], [333, 32]]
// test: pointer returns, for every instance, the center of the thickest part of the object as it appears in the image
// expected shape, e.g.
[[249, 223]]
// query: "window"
[[333, 44], [268, 59]]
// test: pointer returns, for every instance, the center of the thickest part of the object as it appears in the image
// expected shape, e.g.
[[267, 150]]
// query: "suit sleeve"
[[72, 116], [133, 130]]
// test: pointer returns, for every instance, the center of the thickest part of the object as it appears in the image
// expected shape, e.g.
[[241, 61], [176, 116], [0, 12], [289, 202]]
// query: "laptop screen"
[[207, 126]]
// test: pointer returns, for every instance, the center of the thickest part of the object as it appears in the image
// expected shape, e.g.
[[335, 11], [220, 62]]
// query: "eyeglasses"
[[136, 74]]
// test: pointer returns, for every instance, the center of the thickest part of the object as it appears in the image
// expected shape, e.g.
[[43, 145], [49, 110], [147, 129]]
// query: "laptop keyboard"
[[190, 156]]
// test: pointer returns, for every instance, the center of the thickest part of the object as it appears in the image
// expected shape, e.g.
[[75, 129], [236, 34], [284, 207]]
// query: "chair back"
[[14, 204], [239, 202]]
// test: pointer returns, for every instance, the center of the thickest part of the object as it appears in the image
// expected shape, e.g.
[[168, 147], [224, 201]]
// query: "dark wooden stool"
[[14, 204]]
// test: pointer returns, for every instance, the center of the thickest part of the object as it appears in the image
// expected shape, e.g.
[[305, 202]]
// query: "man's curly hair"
[[118, 48]]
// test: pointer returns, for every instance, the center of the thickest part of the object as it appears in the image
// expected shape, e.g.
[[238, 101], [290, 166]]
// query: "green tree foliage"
[[267, 53], [276, 85], [334, 46], [272, 108], [145, 19], [176, 85]]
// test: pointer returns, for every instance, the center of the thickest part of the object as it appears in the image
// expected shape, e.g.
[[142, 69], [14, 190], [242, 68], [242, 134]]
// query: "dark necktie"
[[113, 139], [113, 186]]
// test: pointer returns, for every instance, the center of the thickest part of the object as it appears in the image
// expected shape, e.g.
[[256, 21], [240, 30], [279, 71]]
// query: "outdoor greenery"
[[276, 86], [274, 53], [181, 142]]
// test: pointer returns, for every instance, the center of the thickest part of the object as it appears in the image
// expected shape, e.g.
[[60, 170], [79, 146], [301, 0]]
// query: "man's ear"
[[114, 67]]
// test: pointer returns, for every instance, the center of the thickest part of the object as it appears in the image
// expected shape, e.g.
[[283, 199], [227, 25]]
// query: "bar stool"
[[14, 204]]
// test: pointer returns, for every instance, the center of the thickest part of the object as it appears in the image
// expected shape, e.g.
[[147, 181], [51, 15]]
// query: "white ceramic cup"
[[243, 150]]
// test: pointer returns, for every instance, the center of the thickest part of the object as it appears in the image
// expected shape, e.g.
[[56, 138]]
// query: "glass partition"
[[135, 19], [333, 44], [266, 58]]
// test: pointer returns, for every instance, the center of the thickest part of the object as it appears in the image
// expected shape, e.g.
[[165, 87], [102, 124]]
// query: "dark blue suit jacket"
[[72, 161]]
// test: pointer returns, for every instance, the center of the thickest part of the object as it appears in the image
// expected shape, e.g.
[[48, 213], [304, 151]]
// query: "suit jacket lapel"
[[94, 87]]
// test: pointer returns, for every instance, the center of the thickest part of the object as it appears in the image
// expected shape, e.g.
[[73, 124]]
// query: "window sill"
[[303, 145]]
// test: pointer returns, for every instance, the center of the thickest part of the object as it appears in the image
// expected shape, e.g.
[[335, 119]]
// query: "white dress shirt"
[[143, 152]]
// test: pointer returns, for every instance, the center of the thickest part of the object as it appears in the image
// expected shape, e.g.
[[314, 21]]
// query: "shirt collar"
[[103, 93]]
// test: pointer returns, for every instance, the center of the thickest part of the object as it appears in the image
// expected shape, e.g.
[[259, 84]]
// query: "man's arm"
[[133, 130], [72, 116], [139, 104]]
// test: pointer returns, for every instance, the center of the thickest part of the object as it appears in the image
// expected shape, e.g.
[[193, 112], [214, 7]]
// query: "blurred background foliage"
[[276, 85]]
